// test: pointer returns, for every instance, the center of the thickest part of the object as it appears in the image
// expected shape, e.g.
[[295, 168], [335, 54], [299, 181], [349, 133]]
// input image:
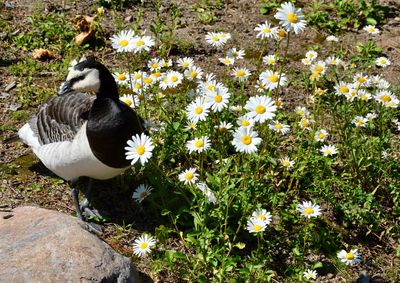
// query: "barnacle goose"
[[77, 135]]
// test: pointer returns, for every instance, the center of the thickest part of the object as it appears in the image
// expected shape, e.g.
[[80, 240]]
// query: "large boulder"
[[40, 245]]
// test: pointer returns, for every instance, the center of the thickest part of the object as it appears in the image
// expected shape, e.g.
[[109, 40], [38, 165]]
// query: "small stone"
[[15, 32], [14, 106], [4, 95], [3, 35], [128, 19], [10, 86]]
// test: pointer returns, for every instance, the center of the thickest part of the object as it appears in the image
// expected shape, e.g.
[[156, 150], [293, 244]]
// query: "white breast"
[[73, 159]]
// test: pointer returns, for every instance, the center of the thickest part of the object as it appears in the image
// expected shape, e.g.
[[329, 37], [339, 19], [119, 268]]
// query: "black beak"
[[65, 88]]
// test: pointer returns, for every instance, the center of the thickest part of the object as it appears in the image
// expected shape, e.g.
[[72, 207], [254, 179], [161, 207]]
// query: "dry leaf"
[[43, 54], [83, 24]]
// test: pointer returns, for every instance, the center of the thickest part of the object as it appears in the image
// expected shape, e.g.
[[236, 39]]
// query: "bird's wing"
[[60, 117]]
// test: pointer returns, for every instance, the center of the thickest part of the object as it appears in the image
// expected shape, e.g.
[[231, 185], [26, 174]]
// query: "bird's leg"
[[75, 196], [84, 204]]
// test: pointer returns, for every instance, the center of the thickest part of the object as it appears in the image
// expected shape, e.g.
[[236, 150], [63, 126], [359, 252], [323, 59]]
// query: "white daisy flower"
[[209, 194], [371, 116], [123, 41], [198, 144], [241, 74], [382, 62], [286, 162], [197, 110], [227, 61], [328, 150], [263, 215], [270, 59], [332, 60], [143, 245], [311, 55], [301, 111], [321, 135], [171, 79], [272, 79], [343, 88], [185, 62], [142, 192], [130, 100], [215, 39], [139, 149], [141, 43], [189, 176], [235, 54], [155, 64], [306, 61], [360, 121], [319, 67], [266, 31], [260, 86], [310, 274], [224, 127], [278, 127], [291, 19], [166, 63], [361, 80], [190, 126], [245, 121], [193, 73], [308, 209], [305, 123], [261, 108], [383, 84], [121, 78], [237, 109], [246, 140], [349, 258], [371, 29], [364, 95], [385, 97], [218, 99], [255, 225]]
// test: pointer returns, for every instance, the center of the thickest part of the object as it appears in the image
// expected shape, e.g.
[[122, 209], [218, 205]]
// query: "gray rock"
[[40, 245]]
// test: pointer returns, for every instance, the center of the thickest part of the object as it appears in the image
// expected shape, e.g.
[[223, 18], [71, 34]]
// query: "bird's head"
[[90, 76]]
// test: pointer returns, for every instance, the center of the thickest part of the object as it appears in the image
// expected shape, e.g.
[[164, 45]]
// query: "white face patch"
[[89, 82]]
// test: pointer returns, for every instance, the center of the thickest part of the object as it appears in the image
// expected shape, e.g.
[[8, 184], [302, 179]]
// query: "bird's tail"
[[11, 139]]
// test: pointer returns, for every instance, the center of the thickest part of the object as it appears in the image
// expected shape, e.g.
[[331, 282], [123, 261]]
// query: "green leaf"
[[371, 21]]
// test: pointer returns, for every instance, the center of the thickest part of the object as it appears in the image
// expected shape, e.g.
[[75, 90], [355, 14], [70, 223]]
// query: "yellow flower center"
[[246, 139], [174, 79], [189, 176], [286, 163], [304, 122], [360, 122], [199, 144], [143, 194], [139, 43], [328, 152], [193, 74], [314, 76], [140, 149], [227, 61], [273, 78], [144, 245], [215, 38], [141, 97], [281, 33], [223, 130], [386, 98], [382, 61], [260, 109], [123, 42], [121, 77], [349, 256], [192, 125], [127, 102], [157, 74], [308, 211], [292, 18], [155, 65], [211, 87], [257, 228], [240, 73], [218, 98], [185, 64], [198, 110], [344, 89], [138, 76], [278, 126], [319, 69], [321, 135], [262, 217], [271, 60], [267, 30], [361, 80], [245, 123], [137, 86], [148, 80]]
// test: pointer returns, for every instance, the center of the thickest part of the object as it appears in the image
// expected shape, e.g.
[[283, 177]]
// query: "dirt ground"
[[24, 180]]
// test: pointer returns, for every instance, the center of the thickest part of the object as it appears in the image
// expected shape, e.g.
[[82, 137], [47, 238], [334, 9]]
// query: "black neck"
[[108, 89]]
